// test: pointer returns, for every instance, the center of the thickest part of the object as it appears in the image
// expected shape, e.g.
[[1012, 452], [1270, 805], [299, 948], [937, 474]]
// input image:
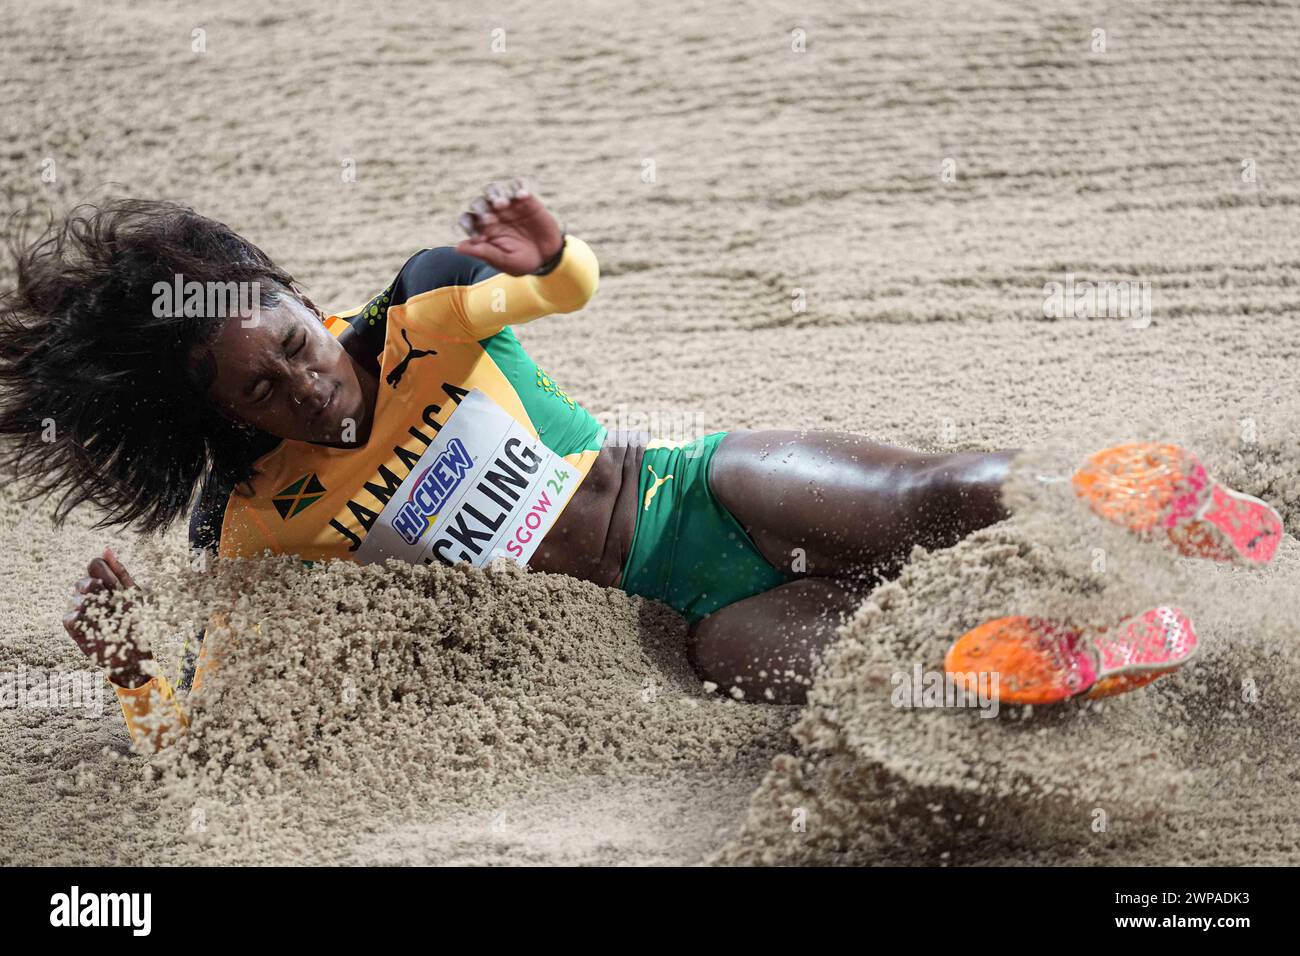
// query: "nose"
[[304, 388]]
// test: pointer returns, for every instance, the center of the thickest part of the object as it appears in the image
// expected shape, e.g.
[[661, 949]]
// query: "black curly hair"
[[102, 400]]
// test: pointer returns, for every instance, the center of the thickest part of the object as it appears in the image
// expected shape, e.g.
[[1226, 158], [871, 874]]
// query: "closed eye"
[[271, 388]]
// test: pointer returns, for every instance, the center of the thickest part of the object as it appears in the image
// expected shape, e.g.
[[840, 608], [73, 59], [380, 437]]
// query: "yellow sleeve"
[[153, 716], [487, 307]]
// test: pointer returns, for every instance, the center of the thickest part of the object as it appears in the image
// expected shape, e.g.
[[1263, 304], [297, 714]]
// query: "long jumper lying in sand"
[[416, 427]]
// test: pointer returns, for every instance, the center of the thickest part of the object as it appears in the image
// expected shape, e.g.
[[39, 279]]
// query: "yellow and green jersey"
[[440, 330]]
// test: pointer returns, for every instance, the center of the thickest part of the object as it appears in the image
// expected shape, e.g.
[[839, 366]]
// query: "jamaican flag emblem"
[[297, 497]]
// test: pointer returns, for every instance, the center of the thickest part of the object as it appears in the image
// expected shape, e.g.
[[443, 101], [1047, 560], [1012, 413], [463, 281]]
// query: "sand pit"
[[439, 716]]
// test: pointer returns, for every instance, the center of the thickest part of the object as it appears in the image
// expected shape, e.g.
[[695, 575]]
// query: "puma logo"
[[653, 489], [412, 352]]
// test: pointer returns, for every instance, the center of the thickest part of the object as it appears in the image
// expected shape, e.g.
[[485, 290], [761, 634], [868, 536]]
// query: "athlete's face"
[[284, 373]]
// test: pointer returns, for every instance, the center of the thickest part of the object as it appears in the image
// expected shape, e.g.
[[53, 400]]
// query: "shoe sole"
[[1039, 661], [1153, 488]]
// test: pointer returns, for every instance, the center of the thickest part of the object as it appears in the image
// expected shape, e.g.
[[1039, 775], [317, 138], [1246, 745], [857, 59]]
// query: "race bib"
[[484, 488]]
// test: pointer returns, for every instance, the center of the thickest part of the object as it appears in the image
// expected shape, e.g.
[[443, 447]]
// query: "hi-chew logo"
[[103, 909], [431, 491]]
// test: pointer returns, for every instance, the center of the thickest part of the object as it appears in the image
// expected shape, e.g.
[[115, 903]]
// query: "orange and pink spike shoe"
[[1151, 489], [1157, 489], [1044, 662]]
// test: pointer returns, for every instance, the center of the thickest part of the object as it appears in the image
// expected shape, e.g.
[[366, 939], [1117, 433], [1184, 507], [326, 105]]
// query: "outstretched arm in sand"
[[148, 702]]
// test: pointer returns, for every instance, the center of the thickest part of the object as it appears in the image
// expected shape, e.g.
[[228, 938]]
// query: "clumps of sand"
[[1152, 776], [412, 714]]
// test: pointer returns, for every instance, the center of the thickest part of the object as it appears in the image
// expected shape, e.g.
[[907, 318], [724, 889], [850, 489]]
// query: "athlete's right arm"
[[153, 717]]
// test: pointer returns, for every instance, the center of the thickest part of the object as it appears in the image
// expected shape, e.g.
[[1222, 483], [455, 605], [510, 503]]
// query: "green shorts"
[[687, 549]]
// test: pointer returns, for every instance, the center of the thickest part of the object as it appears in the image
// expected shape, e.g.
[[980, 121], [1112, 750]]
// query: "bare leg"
[[851, 509], [768, 645]]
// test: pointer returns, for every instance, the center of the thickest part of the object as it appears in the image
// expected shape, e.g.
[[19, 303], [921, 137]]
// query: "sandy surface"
[[394, 715]]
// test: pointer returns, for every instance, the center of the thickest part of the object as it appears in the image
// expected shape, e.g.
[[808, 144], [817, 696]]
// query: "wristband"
[[551, 264]]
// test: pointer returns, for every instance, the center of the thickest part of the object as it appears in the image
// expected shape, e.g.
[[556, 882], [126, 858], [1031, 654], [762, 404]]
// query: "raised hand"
[[123, 659], [510, 229]]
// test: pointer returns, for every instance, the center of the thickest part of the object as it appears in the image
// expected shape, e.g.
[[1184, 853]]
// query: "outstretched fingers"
[[498, 201]]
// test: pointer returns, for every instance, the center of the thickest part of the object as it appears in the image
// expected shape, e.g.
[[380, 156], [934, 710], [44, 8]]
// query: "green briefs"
[[687, 549]]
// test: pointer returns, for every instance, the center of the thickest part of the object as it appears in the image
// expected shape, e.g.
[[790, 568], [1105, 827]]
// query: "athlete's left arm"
[[538, 270]]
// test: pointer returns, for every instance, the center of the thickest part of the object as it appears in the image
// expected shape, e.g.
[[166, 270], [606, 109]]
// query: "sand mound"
[[417, 701]]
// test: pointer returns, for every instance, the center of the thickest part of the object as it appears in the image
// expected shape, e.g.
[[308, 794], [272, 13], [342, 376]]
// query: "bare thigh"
[[843, 505]]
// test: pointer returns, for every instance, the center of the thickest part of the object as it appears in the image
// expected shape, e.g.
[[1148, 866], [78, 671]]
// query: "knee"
[[948, 496], [727, 653]]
